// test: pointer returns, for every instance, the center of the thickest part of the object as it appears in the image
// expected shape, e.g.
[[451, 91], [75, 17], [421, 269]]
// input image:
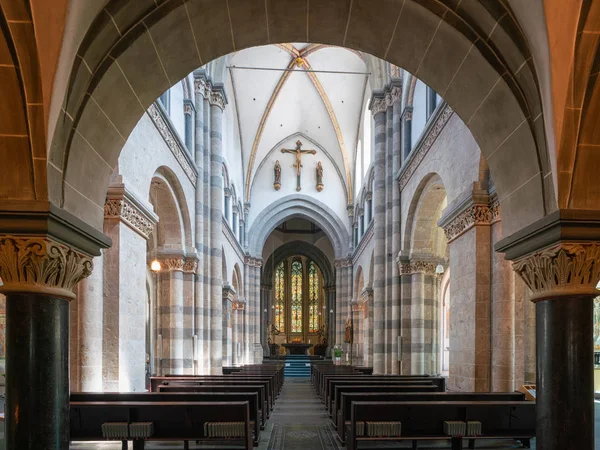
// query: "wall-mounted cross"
[[298, 152]]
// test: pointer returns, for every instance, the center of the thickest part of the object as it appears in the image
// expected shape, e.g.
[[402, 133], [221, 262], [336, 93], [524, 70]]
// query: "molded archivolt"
[[474, 55], [298, 206], [421, 233]]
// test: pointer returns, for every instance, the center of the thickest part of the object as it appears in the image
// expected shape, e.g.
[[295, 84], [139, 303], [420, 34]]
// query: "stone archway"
[[108, 90]]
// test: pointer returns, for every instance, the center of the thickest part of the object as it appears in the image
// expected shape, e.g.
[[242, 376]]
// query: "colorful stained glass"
[[313, 301], [296, 297], [279, 316]]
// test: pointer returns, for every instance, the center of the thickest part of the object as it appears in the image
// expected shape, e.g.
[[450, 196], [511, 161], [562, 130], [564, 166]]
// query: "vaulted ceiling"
[[305, 93]]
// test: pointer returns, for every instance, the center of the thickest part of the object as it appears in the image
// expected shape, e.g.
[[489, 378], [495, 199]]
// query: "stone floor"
[[299, 422]]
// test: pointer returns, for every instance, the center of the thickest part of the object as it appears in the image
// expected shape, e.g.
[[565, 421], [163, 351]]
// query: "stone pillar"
[[190, 266], [393, 228], [218, 101], [343, 297], [206, 212], [329, 316], [407, 134], [188, 116], [129, 223], [201, 211], [253, 309], [389, 251], [367, 301], [89, 344], [39, 274], [229, 296], [562, 276], [266, 299], [468, 230], [378, 108], [238, 308]]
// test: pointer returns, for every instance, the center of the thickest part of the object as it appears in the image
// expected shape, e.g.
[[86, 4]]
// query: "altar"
[[296, 349]]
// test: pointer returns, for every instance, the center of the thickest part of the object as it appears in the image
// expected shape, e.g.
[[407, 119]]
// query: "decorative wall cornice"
[[41, 265], [416, 266], [566, 269], [430, 135], [123, 205], [480, 214], [164, 127]]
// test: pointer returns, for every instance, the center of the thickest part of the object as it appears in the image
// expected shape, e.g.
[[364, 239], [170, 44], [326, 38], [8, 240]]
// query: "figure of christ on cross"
[[298, 152]]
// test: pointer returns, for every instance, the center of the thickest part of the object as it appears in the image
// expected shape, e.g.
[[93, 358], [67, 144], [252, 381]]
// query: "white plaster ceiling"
[[327, 107]]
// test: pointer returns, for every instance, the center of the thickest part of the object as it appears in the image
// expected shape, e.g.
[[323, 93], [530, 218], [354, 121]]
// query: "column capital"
[[217, 96], [378, 104], [366, 295], [201, 84], [566, 269], [41, 265], [188, 107], [341, 263], [123, 205], [253, 262], [467, 215], [228, 292], [238, 305], [557, 256]]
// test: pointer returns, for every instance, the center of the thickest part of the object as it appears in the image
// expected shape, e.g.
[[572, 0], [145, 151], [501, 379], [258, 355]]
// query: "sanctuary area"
[[295, 224]]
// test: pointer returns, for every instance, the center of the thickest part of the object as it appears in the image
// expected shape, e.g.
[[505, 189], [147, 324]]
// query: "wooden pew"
[[258, 389], [226, 380], [270, 381], [173, 421], [330, 380], [256, 416], [425, 420], [368, 382], [349, 395]]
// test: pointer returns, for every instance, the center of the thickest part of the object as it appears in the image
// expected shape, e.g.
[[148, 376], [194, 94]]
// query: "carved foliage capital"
[[473, 215], [238, 306], [217, 98], [341, 263], [254, 262], [378, 105], [562, 270], [39, 264], [409, 267], [173, 264]]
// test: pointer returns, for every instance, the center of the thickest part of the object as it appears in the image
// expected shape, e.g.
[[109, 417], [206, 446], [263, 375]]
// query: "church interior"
[[295, 224]]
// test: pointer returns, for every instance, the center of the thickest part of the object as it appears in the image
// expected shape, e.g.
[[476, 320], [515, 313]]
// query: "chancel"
[[282, 225]]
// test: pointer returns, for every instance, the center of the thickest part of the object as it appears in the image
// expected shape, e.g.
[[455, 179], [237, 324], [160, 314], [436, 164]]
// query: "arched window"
[[314, 287], [296, 300], [279, 317]]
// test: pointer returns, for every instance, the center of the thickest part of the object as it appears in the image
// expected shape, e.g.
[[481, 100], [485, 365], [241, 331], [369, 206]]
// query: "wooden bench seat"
[[257, 416], [173, 421], [349, 395], [425, 420]]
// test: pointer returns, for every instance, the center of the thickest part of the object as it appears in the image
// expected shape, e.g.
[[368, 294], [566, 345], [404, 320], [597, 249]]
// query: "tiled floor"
[[299, 422]]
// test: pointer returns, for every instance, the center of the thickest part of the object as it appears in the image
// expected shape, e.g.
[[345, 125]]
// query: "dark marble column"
[[565, 373], [37, 376]]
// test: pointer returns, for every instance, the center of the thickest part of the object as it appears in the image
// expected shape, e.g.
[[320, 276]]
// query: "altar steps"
[[297, 366]]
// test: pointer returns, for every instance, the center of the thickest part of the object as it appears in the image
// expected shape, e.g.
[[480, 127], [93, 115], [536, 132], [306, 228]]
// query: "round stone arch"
[[298, 248], [420, 236], [298, 206], [165, 181], [476, 57]]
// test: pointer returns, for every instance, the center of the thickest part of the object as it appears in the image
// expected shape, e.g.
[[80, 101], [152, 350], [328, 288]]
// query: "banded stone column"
[[421, 316], [253, 306], [201, 211], [266, 299], [366, 298], [343, 297], [206, 212], [407, 134], [389, 182], [394, 281], [39, 273], [218, 101], [188, 117], [129, 223], [238, 308], [330, 316], [562, 276], [170, 316], [378, 109], [229, 296], [190, 267]]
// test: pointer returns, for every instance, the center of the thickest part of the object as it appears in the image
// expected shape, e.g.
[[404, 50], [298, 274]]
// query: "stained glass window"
[[279, 318], [296, 300], [313, 302]]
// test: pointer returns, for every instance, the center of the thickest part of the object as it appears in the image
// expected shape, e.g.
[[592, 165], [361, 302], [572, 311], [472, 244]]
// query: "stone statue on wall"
[[319, 176], [348, 334], [277, 172]]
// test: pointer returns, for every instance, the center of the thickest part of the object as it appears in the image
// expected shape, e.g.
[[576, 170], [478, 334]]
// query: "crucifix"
[[298, 152]]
